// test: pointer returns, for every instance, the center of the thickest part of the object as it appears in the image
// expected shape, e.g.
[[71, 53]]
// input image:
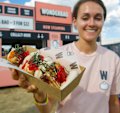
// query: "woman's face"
[[89, 21]]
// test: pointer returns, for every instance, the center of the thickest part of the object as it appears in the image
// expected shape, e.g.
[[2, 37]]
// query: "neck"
[[86, 47]]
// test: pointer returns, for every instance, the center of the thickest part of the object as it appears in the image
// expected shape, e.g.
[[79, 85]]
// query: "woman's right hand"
[[39, 96], [24, 83]]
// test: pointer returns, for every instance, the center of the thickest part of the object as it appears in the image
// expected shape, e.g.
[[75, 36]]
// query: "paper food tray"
[[53, 91]]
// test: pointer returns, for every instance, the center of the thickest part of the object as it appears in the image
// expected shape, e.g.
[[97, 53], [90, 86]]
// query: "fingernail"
[[33, 87]]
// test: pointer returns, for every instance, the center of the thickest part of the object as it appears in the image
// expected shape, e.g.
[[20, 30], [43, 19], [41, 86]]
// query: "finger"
[[32, 89], [15, 74], [23, 82]]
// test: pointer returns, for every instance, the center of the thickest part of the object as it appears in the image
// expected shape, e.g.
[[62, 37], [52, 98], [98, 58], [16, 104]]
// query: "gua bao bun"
[[51, 72], [31, 62], [17, 55]]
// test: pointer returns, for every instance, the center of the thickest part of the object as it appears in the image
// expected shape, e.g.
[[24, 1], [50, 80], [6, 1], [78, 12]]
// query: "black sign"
[[0, 9], [26, 12], [69, 37], [53, 27], [23, 35], [11, 10]]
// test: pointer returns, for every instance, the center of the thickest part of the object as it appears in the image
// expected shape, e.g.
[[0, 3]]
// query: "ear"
[[75, 22]]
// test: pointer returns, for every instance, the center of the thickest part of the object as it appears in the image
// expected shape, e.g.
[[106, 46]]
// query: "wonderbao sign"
[[53, 13]]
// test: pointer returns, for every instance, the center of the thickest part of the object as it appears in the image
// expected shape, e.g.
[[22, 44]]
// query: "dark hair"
[[80, 2]]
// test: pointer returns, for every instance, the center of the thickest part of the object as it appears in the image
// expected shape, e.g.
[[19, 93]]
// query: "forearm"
[[44, 108], [114, 105], [115, 109], [48, 106]]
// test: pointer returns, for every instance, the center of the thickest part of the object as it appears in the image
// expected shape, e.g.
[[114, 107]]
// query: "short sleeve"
[[115, 88]]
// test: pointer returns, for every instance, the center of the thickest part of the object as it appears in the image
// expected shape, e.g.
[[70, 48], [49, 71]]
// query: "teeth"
[[90, 30]]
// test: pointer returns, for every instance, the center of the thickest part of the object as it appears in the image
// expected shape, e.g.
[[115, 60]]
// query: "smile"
[[91, 30]]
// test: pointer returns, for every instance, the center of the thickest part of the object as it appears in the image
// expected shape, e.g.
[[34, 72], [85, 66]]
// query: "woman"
[[99, 87]]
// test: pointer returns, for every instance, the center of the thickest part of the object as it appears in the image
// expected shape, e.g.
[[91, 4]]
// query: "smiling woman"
[[98, 89]]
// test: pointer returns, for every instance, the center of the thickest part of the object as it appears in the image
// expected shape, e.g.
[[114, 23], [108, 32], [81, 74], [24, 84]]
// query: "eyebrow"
[[97, 14]]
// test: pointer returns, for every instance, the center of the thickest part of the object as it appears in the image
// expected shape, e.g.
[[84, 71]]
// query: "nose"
[[91, 22]]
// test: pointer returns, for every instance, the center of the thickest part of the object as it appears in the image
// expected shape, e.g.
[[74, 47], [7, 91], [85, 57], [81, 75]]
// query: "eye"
[[98, 18], [85, 18]]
